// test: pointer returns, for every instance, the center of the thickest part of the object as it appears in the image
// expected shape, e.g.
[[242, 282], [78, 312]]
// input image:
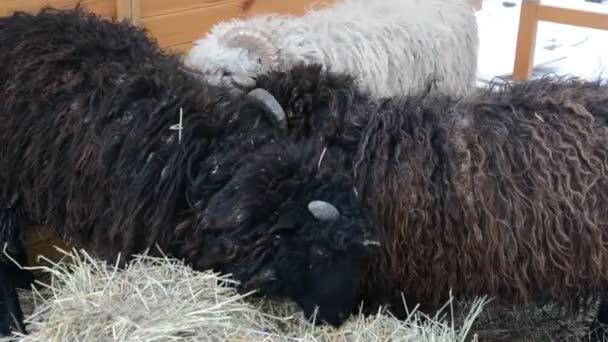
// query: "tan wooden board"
[[151, 8], [181, 48], [295, 7], [534, 11], [182, 21], [526, 40], [41, 240], [105, 8], [184, 27], [567, 16]]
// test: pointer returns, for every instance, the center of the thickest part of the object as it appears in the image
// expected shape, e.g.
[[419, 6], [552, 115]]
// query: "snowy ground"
[[560, 49]]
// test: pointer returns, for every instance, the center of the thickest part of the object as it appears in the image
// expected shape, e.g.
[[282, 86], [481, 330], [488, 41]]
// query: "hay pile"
[[160, 299]]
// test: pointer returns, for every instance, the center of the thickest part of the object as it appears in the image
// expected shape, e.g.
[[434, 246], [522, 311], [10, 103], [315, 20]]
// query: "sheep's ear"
[[253, 40], [271, 104]]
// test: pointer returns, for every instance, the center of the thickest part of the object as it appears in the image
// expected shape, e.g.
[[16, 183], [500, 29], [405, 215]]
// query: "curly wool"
[[88, 147], [503, 193], [91, 153], [391, 47]]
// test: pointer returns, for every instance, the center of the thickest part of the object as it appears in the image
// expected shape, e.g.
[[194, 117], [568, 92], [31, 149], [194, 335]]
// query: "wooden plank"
[[105, 8], [526, 40], [575, 17], [295, 7], [123, 9], [36, 234], [151, 8], [32, 6], [181, 48], [185, 26], [41, 240], [136, 12], [46, 249], [576, 4]]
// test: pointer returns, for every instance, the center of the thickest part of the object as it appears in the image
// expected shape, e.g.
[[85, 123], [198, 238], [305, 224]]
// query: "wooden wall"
[[107, 8], [177, 23], [174, 23]]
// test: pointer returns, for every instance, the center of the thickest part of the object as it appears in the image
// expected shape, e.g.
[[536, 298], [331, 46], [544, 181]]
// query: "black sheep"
[[87, 108], [501, 193]]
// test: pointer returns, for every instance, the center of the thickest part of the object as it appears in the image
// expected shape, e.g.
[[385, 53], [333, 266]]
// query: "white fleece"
[[392, 47]]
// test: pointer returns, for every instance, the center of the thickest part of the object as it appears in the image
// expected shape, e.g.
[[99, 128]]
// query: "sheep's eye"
[[226, 73]]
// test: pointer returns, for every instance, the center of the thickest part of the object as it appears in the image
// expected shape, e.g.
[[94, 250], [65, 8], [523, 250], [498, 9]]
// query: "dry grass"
[[160, 299]]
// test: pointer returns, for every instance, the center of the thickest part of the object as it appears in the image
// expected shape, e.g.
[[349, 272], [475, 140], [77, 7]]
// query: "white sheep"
[[390, 46]]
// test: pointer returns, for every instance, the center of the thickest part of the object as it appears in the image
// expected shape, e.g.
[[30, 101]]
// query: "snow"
[[560, 49]]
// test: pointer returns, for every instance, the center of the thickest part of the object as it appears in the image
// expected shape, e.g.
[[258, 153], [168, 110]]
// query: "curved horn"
[[323, 211], [254, 40], [242, 81], [371, 243], [273, 106]]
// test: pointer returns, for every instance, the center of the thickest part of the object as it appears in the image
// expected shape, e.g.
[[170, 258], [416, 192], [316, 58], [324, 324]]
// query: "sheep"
[[503, 192], [392, 47], [500, 192], [115, 145]]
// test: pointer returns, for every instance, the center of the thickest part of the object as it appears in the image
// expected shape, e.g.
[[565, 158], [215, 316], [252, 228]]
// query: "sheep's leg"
[[598, 328], [11, 316], [11, 275], [602, 312]]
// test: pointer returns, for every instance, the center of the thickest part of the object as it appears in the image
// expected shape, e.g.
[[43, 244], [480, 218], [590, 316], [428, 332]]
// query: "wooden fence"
[[174, 23]]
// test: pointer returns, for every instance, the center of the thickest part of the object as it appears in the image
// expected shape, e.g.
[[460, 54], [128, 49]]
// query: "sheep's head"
[[286, 227], [309, 240], [233, 57]]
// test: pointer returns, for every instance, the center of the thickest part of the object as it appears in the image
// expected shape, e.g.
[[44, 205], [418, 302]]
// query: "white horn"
[[323, 211], [273, 106], [371, 243], [254, 40], [242, 81]]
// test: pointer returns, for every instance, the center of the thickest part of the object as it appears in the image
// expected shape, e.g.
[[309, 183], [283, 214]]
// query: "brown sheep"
[[503, 193]]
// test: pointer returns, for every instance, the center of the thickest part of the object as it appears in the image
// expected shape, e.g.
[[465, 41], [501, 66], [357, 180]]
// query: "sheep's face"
[[219, 63], [287, 231], [322, 244], [233, 53]]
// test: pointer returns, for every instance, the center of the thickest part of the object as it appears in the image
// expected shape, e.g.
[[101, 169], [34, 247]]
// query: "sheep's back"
[[84, 127], [396, 47], [504, 193]]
